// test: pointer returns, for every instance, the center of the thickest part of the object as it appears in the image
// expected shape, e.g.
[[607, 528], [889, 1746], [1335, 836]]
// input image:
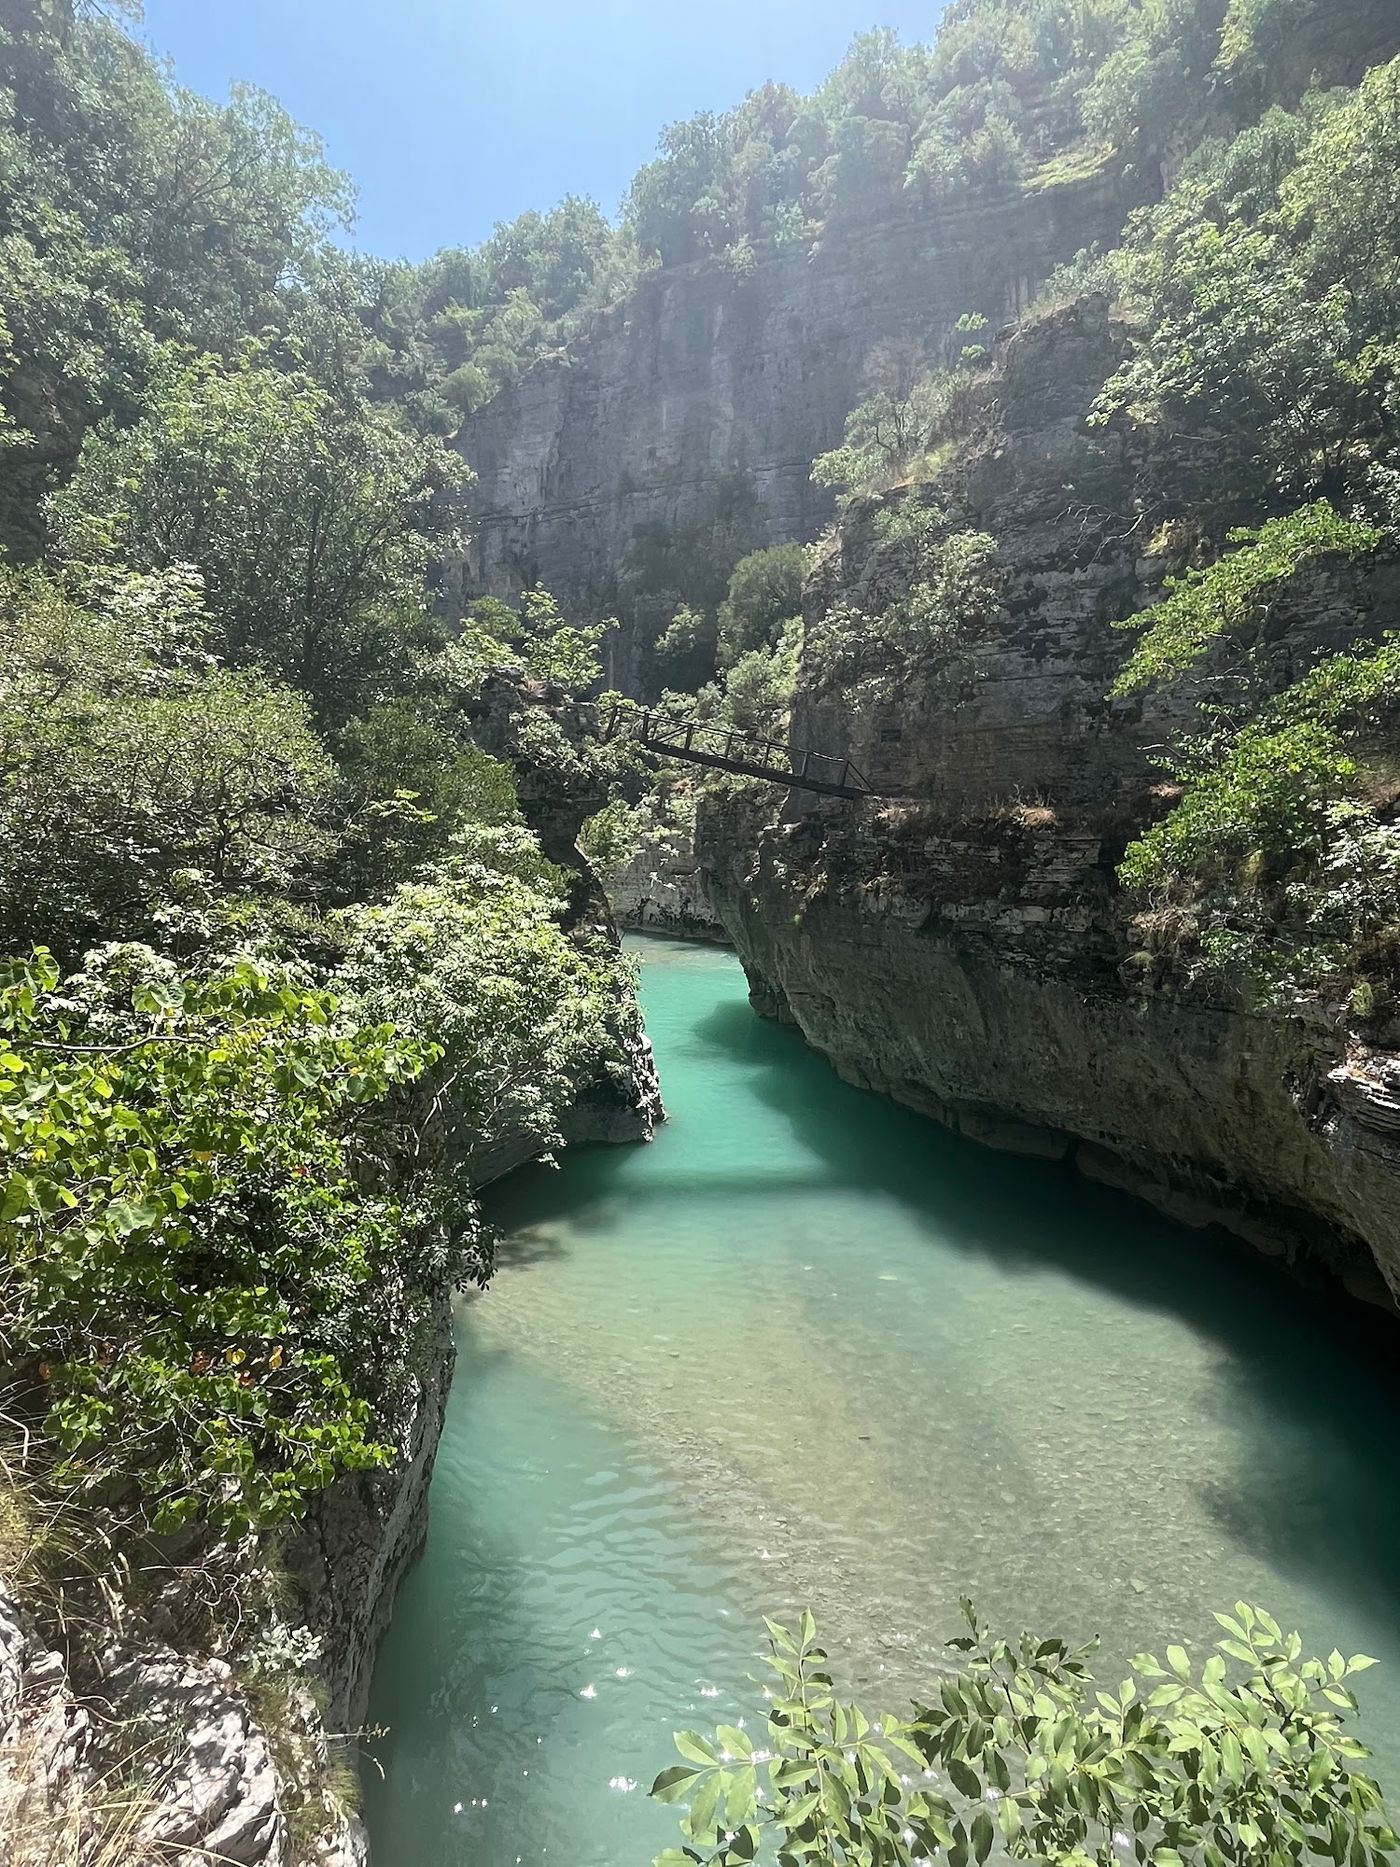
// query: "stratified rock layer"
[[679, 430], [961, 943]]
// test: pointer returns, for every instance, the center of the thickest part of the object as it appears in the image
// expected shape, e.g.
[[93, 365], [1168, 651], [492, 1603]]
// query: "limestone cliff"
[[633, 468], [961, 942], [660, 888]]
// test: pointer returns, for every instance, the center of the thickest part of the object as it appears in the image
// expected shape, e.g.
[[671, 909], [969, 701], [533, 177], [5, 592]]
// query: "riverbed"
[[808, 1348]]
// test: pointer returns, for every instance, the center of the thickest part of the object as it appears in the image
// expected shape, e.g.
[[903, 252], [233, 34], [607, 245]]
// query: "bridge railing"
[[730, 749]]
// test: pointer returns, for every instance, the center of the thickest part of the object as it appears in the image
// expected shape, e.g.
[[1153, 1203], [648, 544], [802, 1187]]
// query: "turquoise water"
[[806, 1347]]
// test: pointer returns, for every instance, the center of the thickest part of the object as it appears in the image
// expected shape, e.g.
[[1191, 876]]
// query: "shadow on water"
[[1322, 1500], [1318, 1496]]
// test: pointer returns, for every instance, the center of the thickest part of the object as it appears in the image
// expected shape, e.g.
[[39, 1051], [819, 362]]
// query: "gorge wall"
[[961, 944], [629, 471]]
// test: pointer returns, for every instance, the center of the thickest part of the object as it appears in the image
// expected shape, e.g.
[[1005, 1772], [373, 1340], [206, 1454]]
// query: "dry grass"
[[91, 1822], [1030, 816]]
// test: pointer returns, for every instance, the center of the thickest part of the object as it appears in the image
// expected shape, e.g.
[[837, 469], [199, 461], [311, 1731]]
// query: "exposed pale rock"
[[661, 888], [677, 431]]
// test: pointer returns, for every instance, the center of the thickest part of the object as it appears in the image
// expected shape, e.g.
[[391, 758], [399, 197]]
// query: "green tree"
[[472, 958], [1265, 286], [764, 593], [1232, 596], [684, 652], [312, 519], [1279, 870], [133, 213], [135, 771], [408, 786]]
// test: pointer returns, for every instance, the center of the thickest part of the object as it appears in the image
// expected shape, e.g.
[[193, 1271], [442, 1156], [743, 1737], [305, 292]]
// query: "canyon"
[[961, 942]]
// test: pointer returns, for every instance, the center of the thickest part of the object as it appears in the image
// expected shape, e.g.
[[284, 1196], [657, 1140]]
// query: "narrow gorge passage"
[[807, 1347]]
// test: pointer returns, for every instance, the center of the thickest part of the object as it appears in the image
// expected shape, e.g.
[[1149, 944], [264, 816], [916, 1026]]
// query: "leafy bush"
[[927, 637], [1289, 869], [196, 1290], [134, 769], [610, 838], [408, 785], [310, 516], [911, 410], [683, 655], [472, 959], [765, 591], [1246, 1763], [1231, 596]]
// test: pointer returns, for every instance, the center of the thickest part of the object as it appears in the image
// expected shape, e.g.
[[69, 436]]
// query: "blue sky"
[[453, 114]]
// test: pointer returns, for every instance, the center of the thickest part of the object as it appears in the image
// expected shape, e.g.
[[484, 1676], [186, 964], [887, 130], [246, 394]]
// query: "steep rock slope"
[[678, 432], [961, 942]]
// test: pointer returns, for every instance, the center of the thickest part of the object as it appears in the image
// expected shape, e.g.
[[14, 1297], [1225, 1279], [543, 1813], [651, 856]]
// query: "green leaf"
[[673, 1785], [964, 1778], [740, 1803], [983, 1834], [705, 1807], [695, 1748]]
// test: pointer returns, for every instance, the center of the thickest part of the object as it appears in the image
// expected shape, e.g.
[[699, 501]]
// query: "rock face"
[[969, 972], [661, 889], [73, 1766], [960, 943], [43, 1738], [364, 1534], [678, 431]]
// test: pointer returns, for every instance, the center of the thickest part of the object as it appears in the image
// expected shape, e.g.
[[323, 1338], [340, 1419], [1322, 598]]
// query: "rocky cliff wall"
[[678, 432], [961, 944], [660, 888], [972, 972]]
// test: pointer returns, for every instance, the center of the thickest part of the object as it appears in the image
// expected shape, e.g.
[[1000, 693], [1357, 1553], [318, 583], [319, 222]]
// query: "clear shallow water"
[[807, 1347]]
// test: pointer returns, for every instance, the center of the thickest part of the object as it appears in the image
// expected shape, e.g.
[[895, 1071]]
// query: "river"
[[808, 1348]]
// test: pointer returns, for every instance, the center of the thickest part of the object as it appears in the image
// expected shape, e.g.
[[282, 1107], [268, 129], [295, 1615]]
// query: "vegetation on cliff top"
[[1005, 96]]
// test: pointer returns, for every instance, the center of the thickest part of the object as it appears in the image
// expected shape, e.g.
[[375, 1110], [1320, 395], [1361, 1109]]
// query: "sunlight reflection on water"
[[808, 1347]]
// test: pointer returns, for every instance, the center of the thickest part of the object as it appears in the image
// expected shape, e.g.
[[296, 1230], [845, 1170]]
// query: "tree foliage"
[[764, 593], [471, 957], [134, 213], [235, 741], [1265, 289], [910, 413], [1232, 595], [135, 770], [1245, 1761], [309, 516], [1280, 866], [190, 1248], [927, 637]]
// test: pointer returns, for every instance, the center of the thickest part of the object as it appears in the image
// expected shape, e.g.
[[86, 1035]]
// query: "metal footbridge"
[[725, 749]]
